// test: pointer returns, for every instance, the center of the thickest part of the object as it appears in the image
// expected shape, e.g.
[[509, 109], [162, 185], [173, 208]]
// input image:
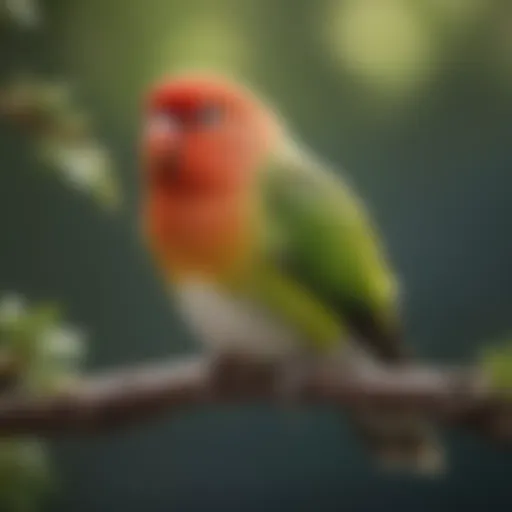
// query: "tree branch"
[[452, 396]]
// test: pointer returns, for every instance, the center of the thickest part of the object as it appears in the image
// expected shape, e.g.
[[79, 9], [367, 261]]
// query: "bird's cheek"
[[161, 148], [200, 160], [214, 161]]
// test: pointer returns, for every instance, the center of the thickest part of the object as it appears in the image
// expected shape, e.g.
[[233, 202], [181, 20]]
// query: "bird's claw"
[[241, 374], [294, 371]]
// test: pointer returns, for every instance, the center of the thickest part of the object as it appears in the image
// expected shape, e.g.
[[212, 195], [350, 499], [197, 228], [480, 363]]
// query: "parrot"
[[268, 249]]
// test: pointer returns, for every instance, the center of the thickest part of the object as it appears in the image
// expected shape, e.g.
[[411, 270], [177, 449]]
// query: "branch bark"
[[451, 396]]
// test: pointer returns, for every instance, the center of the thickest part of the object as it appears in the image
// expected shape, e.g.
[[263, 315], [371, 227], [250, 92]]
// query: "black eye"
[[210, 115]]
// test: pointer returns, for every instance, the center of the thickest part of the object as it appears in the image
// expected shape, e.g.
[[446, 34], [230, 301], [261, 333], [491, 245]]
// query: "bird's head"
[[204, 135]]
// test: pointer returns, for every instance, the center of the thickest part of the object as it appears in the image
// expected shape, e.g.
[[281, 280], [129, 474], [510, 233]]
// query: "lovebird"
[[268, 249]]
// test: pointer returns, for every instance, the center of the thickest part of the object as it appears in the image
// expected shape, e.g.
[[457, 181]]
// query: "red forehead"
[[192, 92]]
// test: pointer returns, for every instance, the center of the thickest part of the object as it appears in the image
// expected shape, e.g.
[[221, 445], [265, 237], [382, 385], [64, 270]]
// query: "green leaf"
[[24, 12], [50, 353], [496, 363], [12, 309], [25, 474]]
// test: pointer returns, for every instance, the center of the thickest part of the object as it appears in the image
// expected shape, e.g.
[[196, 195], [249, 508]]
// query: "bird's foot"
[[294, 371], [241, 374]]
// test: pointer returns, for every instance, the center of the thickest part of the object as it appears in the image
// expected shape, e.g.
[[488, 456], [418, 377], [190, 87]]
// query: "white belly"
[[223, 322]]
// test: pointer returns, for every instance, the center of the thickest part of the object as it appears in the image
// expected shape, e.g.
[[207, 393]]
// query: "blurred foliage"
[[497, 366], [209, 40], [23, 12], [365, 53], [62, 135], [384, 43], [25, 474], [39, 354]]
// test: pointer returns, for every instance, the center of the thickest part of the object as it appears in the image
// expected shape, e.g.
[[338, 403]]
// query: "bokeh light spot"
[[384, 43], [206, 42]]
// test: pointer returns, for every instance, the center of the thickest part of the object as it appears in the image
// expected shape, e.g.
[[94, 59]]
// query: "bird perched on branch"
[[268, 249]]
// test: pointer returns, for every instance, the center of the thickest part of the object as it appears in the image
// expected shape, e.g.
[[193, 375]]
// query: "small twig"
[[9, 371]]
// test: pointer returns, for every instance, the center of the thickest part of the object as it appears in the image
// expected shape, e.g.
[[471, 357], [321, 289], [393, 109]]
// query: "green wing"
[[323, 241]]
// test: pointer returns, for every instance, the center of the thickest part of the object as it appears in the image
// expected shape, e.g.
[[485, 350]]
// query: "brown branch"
[[453, 396]]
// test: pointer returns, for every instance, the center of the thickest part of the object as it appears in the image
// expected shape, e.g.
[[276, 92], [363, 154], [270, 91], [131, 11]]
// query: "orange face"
[[203, 135], [202, 145]]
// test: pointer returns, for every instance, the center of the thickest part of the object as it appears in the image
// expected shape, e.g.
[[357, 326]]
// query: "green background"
[[423, 128]]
